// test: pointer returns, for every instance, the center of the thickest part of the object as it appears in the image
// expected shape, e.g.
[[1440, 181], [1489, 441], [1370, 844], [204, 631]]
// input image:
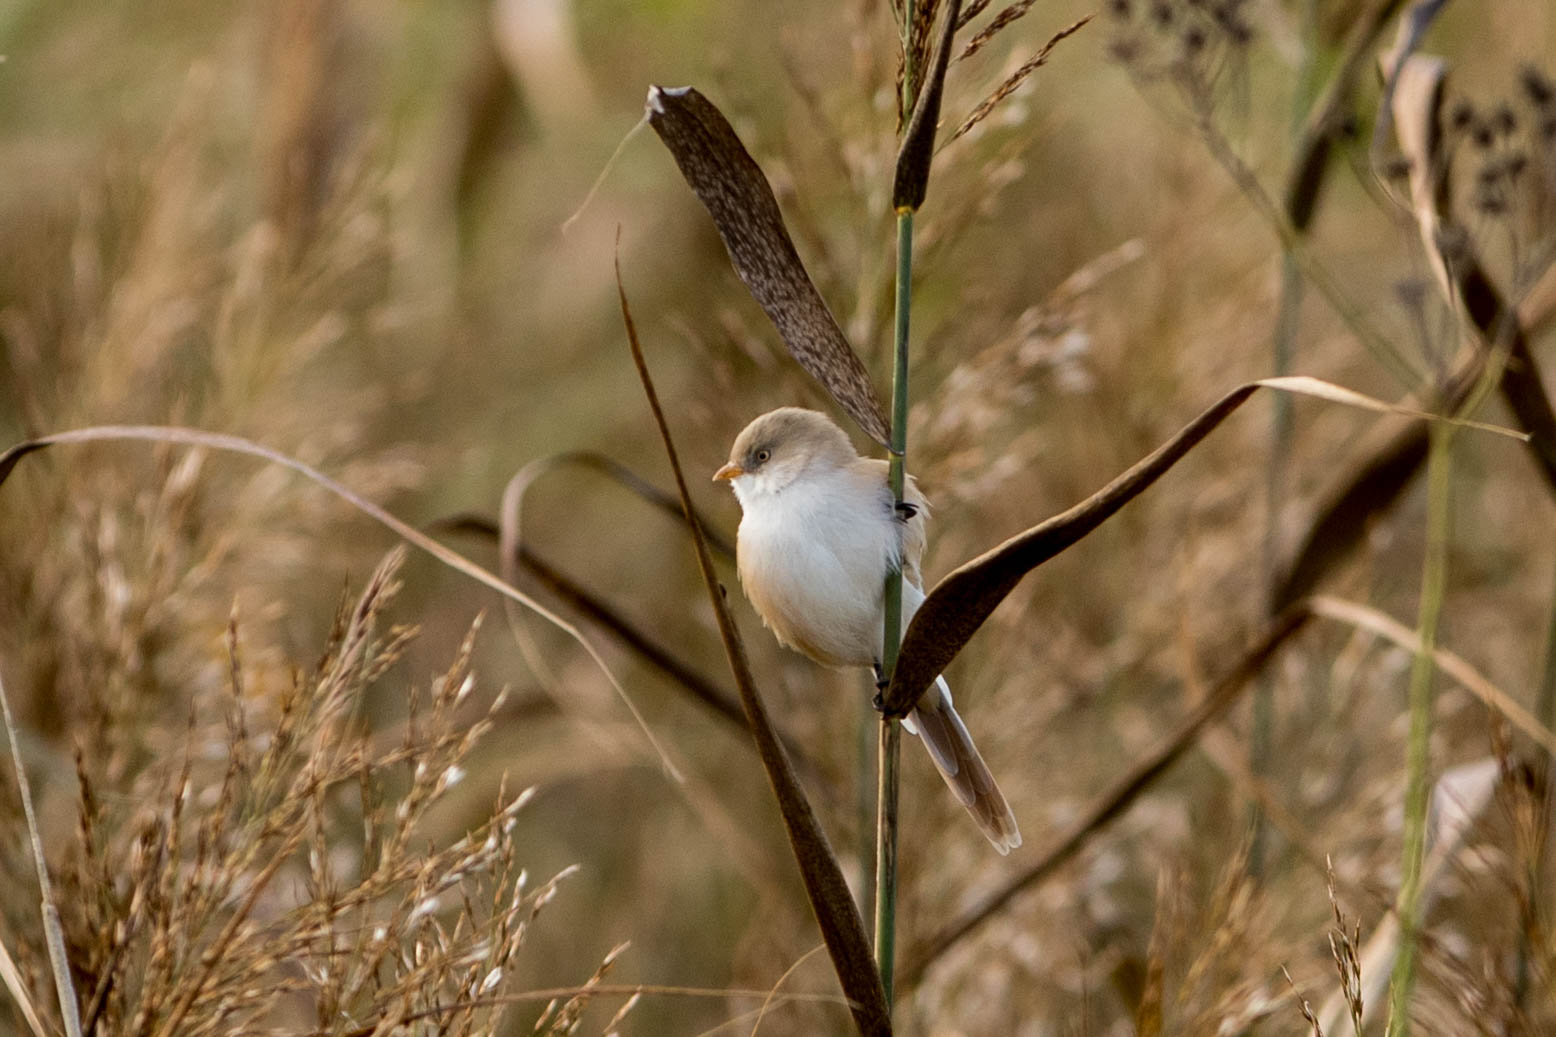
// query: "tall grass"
[[333, 230]]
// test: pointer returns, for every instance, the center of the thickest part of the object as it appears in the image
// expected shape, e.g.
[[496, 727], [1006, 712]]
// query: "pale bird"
[[818, 533]]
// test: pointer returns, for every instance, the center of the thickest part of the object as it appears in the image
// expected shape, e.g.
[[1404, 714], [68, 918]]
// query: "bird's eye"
[[762, 456]]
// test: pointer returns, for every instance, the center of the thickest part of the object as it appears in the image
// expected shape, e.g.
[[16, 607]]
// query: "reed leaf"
[[724, 176], [960, 603], [842, 929]]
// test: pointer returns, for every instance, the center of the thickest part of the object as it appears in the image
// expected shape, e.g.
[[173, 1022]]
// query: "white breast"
[[813, 558]]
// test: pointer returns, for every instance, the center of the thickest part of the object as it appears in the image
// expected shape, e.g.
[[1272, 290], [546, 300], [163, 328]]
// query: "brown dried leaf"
[[960, 603], [841, 927], [731, 186]]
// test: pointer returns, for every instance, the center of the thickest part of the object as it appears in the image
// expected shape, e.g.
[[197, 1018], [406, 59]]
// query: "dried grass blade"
[[12, 977], [410, 534], [724, 176], [1016, 78], [1319, 389], [959, 604], [53, 931], [841, 927], [910, 181], [1364, 618], [1412, 28], [1391, 456]]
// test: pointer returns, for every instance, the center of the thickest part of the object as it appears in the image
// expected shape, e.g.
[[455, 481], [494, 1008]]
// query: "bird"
[[819, 530]]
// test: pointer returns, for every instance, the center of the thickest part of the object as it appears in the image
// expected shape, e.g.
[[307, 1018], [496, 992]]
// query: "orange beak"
[[728, 472]]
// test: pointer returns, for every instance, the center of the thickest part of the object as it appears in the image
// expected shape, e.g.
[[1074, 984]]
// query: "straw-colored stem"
[[891, 636], [53, 931], [1439, 474]]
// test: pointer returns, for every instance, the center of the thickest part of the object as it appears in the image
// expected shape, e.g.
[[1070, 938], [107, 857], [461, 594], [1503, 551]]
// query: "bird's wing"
[[914, 528]]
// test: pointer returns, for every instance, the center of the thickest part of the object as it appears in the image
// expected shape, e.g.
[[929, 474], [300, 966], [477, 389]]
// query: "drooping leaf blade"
[[960, 603], [724, 176]]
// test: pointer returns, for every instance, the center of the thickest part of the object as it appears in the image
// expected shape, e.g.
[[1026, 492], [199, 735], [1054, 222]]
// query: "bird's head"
[[780, 447]]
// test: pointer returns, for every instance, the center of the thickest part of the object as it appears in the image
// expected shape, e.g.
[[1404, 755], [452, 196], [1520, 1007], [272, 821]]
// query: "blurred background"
[[337, 228]]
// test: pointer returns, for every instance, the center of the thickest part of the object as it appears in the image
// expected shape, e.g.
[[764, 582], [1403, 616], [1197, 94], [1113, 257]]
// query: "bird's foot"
[[905, 510], [882, 682]]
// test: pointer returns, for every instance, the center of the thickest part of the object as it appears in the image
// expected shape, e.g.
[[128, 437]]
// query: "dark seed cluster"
[[1190, 41], [1507, 149]]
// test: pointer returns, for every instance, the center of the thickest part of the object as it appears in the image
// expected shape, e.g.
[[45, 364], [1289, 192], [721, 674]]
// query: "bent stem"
[[1434, 574], [891, 637]]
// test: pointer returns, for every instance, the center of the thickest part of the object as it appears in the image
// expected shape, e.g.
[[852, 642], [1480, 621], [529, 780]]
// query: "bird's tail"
[[935, 720]]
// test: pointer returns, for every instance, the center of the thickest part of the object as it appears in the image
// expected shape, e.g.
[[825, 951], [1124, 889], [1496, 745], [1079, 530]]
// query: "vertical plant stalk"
[[1439, 477], [1300, 213], [891, 636], [1545, 711], [53, 931]]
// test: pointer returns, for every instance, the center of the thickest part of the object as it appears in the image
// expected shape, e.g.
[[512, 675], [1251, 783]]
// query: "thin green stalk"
[[890, 732], [1434, 579], [1261, 737], [1545, 701], [1545, 710], [864, 809], [1262, 734]]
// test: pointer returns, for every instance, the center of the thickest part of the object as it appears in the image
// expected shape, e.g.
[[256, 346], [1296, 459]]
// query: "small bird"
[[820, 529]]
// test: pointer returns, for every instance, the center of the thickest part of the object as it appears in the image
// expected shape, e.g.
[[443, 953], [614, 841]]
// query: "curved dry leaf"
[[18, 990], [724, 176], [960, 603], [1363, 617], [910, 181], [453, 559], [836, 913], [1411, 30]]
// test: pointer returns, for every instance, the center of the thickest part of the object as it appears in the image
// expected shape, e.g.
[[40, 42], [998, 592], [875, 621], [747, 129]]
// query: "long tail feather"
[[945, 736]]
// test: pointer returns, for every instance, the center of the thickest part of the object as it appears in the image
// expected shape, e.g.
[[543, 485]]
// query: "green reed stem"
[[1262, 734], [1434, 579], [891, 639]]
